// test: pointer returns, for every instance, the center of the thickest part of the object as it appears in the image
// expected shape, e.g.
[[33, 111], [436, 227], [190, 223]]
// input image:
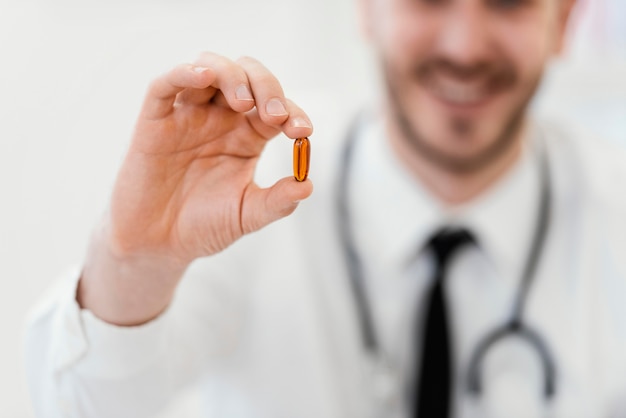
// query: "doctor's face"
[[460, 73]]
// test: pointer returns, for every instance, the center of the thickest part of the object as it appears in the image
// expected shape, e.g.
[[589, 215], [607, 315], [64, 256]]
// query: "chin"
[[459, 145]]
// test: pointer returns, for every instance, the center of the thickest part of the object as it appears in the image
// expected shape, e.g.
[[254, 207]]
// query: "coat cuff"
[[99, 349]]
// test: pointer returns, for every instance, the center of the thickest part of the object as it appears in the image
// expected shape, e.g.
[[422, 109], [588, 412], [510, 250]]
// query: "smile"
[[460, 93]]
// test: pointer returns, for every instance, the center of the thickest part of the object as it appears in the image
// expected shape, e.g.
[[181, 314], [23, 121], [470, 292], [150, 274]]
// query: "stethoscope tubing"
[[513, 326]]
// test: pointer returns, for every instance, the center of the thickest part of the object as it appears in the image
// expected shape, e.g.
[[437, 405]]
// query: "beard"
[[500, 77]]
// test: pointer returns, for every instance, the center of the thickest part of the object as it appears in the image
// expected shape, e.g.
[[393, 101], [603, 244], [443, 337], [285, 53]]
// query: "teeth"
[[460, 93]]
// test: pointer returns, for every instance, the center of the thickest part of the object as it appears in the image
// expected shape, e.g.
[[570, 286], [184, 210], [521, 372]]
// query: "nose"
[[463, 38]]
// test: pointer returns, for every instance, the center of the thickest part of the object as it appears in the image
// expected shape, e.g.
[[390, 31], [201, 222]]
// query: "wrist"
[[126, 288]]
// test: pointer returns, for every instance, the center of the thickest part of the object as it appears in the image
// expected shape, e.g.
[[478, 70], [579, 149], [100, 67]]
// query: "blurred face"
[[460, 73]]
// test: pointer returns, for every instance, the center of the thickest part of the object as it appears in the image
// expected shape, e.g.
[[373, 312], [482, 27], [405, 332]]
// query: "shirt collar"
[[502, 218]]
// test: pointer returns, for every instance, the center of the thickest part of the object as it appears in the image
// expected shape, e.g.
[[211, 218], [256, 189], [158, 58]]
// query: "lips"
[[465, 87], [460, 93]]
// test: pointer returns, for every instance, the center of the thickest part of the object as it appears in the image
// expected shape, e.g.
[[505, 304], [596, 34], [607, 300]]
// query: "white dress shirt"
[[268, 328]]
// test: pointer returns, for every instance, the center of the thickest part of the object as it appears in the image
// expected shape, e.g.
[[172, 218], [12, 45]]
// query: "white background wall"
[[72, 76]]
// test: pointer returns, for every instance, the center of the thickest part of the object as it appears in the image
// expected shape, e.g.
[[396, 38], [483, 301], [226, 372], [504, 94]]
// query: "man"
[[274, 326]]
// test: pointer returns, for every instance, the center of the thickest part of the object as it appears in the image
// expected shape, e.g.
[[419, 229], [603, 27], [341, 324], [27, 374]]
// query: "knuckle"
[[246, 59], [207, 55], [266, 79], [155, 85], [227, 67], [215, 61], [263, 77]]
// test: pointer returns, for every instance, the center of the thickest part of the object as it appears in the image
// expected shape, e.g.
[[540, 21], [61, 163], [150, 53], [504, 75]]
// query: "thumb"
[[261, 207]]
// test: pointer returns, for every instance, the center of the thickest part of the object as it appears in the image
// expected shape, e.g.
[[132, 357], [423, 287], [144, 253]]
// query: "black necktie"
[[436, 370]]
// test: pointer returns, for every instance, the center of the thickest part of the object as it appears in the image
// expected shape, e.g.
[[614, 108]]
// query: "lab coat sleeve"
[[79, 366]]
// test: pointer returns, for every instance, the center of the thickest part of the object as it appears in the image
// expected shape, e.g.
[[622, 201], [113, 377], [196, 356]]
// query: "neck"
[[449, 187]]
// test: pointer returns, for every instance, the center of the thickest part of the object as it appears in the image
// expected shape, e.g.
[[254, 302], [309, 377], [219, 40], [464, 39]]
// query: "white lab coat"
[[268, 328]]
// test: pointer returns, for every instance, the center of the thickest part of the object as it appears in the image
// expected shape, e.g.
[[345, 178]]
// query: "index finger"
[[162, 92]]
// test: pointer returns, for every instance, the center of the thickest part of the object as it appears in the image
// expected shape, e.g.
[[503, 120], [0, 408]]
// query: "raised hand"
[[185, 188]]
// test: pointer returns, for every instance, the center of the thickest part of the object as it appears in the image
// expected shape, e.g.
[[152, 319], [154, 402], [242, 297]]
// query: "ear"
[[563, 18]]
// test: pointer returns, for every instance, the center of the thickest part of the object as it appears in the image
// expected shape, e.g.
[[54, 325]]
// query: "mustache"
[[494, 73]]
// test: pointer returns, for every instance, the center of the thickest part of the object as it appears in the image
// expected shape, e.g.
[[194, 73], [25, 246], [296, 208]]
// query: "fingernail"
[[275, 108], [243, 93], [197, 69], [300, 122]]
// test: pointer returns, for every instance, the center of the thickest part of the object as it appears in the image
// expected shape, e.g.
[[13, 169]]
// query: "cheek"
[[527, 45]]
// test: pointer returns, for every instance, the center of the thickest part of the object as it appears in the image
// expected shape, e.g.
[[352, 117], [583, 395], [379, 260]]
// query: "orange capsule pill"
[[301, 158]]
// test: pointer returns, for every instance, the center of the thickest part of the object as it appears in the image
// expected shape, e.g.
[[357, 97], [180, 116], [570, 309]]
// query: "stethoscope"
[[384, 377]]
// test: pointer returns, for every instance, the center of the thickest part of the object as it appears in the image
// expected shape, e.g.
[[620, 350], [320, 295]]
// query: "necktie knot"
[[445, 242]]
